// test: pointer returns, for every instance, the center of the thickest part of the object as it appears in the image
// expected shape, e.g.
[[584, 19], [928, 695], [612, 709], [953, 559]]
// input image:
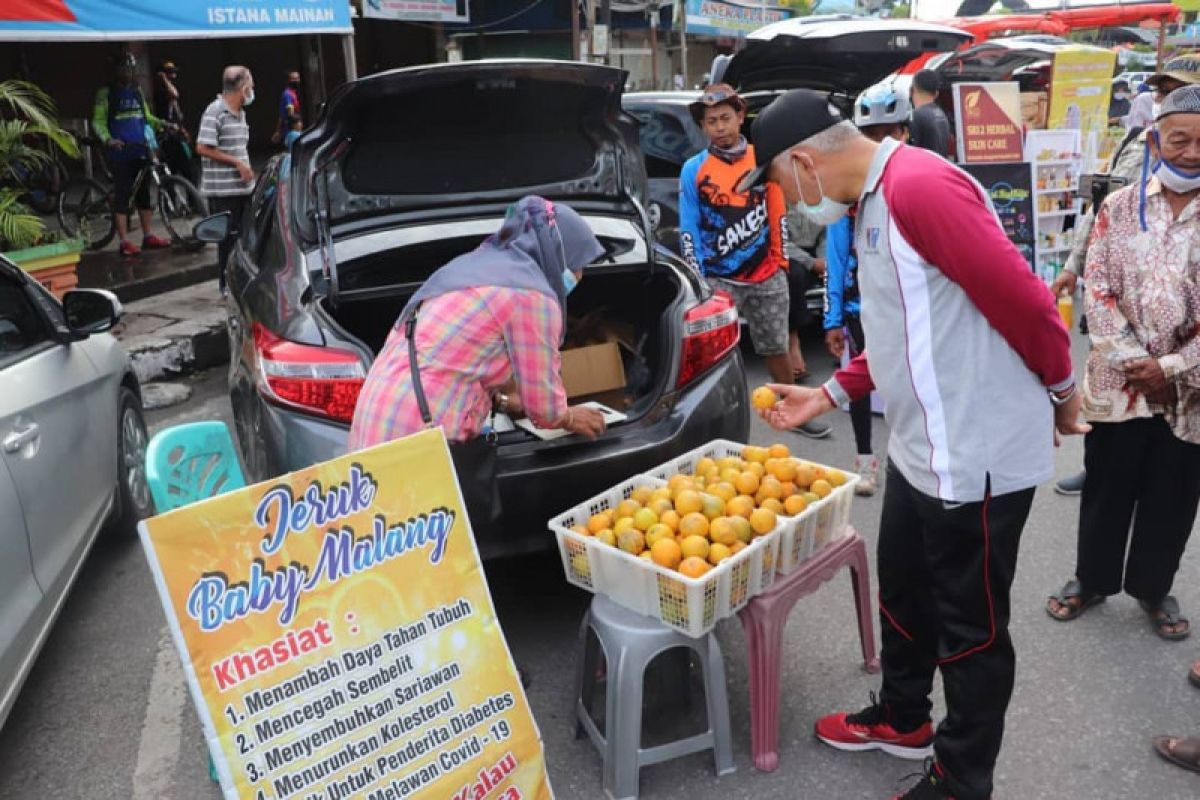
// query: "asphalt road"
[[105, 713]]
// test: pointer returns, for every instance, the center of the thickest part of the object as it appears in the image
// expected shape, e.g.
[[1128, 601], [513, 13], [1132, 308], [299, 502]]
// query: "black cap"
[[789, 120]]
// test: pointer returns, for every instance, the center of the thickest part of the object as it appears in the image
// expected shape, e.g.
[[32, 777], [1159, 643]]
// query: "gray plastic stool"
[[630, 642]]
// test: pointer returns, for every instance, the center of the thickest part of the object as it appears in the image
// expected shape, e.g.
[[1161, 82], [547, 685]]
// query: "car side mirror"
[[90, 311], [212, 230]]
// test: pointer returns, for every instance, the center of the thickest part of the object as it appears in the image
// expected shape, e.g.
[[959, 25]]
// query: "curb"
[[175, 333], [158, 357]]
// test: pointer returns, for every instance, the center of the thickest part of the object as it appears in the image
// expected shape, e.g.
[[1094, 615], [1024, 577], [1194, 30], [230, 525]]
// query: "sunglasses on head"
[[711, 98]]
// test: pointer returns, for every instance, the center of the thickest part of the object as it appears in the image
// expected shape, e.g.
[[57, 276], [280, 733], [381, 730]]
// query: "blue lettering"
[[280, 513]]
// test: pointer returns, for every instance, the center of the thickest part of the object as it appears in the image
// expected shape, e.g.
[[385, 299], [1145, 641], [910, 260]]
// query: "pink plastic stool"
[[764, 618]]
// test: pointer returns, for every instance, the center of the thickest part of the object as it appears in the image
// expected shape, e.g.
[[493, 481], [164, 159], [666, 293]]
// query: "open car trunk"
[[625, 304]]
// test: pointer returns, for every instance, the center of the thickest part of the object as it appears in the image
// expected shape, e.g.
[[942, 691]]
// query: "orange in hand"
[[763, 398]]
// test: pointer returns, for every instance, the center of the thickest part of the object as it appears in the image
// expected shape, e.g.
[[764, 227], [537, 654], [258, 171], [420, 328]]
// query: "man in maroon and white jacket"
[[970, 355]]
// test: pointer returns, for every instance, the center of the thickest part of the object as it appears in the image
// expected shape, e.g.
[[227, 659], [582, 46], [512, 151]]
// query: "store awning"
[[100, 20]]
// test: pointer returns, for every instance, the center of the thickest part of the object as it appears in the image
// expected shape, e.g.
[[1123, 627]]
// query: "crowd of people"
[[133, 132]]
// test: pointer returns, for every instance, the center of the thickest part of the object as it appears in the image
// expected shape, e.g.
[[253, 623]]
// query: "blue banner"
[[49, 20], [727, 19]]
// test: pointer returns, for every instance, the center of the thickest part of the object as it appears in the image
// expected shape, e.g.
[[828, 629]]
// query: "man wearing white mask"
[[1127, 164], [974, 365], [1141, 389], [227, 179]]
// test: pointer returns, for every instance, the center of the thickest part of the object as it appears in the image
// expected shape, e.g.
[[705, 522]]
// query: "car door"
[[19, 592], [53, 445]]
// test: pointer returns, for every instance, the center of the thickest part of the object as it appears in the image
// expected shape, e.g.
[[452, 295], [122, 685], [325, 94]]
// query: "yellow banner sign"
[[1080, 90], [339, 638]]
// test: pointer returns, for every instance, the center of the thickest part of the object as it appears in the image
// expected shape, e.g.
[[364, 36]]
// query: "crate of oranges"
[[812, 500], [669, 550]]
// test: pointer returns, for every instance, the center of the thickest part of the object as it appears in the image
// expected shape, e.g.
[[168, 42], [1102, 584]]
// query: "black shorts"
[[124, 174]]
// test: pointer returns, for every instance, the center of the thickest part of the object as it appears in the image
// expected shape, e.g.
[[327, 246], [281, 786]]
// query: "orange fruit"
[[694, 524], [660, 505], [757, 455], [627, 508], [666, 553], [723, 490], [678, 482], [763, 521], [694, 567], [805, 475], [645, 555], [723, 531], [705, 465], [670, 519], [598, 522], [623, 524], [778, 451], [811, 497], [785, 470], [607, 537], [794, 505], [661, 493], [631, 541], [763, 398], [820, 473], [821, 488], [771, 487], [730, 475], [773, 504], [644, 518], [712, 506], [581, 530], [642, 494], [718, 553], [836, 478], [789, 489], [657, 532], [757, 468], [737, 547], [747, 483], [688, 501], [744, 532], [695, 546], [740, 506]]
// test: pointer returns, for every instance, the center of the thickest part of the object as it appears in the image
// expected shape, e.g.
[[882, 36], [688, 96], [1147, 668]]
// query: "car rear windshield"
[[666, 143], [448, 138]]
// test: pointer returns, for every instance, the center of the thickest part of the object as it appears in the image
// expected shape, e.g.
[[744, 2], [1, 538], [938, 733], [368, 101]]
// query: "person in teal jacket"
[[880, 112]]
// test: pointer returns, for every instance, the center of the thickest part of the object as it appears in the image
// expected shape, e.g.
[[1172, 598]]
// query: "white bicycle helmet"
[[882, 105]]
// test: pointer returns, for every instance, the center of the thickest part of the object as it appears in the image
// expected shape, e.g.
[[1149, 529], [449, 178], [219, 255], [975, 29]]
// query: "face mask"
[[1171, 176], [250, 98], [1121, 96], [569, 280], [826, 211]]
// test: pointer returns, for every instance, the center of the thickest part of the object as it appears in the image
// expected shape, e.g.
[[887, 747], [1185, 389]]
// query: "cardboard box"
[[593, 370]]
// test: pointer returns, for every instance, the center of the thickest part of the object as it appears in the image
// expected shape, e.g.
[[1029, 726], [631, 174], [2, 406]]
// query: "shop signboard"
[[418, 10], [89, 20], [720, 18], [1080, 90], [1010, 187], [987, 121], [338, 637]]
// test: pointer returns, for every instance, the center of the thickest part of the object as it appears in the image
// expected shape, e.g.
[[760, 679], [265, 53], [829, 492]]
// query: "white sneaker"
[[867, 468]]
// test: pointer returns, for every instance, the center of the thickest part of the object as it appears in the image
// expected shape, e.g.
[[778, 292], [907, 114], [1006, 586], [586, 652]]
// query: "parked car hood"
[[833, 53], [432, 142]]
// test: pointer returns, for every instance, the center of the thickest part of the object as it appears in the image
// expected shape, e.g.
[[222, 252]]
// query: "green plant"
[[29, 136]]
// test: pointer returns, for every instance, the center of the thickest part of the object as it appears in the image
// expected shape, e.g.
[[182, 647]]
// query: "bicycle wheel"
[[181, 206], [85, 212], [44, 187]]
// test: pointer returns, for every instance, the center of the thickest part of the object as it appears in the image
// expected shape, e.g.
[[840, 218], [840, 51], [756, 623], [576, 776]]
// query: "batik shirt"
[[724, 234], [1143, 299]]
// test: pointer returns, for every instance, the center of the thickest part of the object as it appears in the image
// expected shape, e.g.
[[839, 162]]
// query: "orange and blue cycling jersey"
[[725, 234]]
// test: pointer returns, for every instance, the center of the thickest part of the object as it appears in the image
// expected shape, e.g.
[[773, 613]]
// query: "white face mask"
[[250, 97], [826, 211], [1121, 96], [1177, 180]]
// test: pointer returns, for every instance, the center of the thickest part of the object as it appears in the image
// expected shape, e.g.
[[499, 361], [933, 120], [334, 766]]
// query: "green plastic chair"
[[189, 463]]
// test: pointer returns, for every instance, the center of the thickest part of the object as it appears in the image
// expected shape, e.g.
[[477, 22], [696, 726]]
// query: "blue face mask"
[[569, 280]]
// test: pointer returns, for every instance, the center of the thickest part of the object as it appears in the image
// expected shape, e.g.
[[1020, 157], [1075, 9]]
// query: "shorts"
[[124, 173], [764, 307]]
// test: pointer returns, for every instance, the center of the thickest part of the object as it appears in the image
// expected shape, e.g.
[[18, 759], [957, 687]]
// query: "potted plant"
[[29, 136]]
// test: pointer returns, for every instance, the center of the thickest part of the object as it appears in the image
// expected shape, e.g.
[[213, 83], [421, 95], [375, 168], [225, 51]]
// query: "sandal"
[[1181, 751], [1167, 614], [1074, 600], [1194, 675]]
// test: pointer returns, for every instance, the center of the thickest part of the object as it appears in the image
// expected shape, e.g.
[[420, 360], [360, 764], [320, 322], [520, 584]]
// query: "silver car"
[[72, 449]]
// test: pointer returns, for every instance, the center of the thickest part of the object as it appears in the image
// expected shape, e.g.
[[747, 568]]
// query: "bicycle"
[[87, 208]]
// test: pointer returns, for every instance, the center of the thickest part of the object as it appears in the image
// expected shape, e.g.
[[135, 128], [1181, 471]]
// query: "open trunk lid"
[[833, 53]]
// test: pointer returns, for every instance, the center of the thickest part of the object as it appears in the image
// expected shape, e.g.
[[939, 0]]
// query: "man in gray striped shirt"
[[227, 179]]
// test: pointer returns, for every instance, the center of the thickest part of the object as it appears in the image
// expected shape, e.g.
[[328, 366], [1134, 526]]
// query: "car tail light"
[[710, 331], [324, 381]]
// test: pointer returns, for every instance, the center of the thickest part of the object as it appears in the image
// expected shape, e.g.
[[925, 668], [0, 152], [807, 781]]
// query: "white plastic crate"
[[690, 605], [801, 536]]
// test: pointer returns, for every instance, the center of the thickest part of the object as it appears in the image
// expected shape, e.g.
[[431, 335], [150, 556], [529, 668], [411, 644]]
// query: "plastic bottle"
[[1066, 309]]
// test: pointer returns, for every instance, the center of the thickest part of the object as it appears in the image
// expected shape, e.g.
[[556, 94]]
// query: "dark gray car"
[[406, 170]]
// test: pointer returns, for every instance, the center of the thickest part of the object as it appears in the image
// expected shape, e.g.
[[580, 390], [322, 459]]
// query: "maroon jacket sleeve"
[[943, 215], [851, 382]]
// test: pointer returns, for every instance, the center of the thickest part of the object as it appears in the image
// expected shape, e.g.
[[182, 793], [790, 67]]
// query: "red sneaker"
[[869, 730], [128, 248], [153, 242]]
